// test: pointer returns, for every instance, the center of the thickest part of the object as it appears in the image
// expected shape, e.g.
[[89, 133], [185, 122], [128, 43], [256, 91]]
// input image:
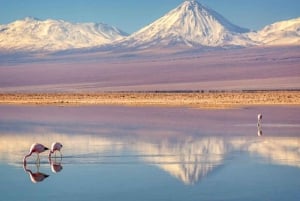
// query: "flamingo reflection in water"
[[55, 165], [259, 131], [37, 176]]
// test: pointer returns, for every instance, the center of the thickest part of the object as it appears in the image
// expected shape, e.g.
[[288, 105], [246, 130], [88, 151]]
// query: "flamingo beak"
[[46, 148]]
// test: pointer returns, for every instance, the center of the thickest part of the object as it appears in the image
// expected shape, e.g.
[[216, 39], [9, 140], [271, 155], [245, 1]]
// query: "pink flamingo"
[[35, 148], [56, 146]]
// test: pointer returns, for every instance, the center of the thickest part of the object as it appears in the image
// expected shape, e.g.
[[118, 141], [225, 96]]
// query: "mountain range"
[[189, 25], [33, 34]]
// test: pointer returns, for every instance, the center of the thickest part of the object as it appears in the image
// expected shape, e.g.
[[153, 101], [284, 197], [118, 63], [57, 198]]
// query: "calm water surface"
[[123, 153]]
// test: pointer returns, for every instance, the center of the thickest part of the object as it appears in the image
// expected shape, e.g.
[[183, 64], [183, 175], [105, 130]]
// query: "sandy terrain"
[[196, 100], [238, 69]]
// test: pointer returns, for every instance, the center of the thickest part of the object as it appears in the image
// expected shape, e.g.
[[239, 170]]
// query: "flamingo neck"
[[28, 171], [51, 152], [25, 157]]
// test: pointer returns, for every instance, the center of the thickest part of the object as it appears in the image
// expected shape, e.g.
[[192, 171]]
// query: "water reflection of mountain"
[[188, 159], [283, 151]]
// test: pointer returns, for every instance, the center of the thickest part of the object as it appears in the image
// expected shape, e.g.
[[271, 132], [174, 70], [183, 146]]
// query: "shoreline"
[[213, 100]]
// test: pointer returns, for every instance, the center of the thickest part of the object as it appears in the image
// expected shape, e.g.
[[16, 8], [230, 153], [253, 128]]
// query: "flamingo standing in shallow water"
[[259, 130], [56, 146], [259, 118], [35, 148]]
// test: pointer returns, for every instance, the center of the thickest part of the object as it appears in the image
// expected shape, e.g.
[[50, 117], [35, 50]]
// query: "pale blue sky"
[[131, 15]]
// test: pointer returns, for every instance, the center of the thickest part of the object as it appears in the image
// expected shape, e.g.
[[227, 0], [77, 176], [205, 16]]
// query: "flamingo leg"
[[38, 160], [38, 167]]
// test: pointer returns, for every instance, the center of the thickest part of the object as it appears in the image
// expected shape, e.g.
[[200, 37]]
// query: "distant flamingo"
[[35, 148], [259, 129], [56, 146], [259, 118]]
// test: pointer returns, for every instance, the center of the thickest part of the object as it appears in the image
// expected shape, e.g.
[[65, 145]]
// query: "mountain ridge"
[[34, 34], [286, 32], [189, 25]]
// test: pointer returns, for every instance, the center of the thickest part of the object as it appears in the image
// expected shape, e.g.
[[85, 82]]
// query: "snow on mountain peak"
[[190, 24], [34, 34], [280, 33]]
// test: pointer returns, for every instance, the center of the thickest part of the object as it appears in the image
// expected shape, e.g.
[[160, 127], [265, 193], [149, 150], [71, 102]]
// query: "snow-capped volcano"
[[190, 24], [34, 34], [280, 33]]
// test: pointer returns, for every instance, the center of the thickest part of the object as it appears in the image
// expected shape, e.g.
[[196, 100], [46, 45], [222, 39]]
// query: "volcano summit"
[[190, 24]]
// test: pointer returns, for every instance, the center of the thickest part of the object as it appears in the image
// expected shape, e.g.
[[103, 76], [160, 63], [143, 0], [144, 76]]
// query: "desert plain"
[[201, 79], [166, 99]]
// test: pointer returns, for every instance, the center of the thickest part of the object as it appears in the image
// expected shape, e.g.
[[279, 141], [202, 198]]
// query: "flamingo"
[[35, 148], [259, 130], [259, 118], [56, 146]]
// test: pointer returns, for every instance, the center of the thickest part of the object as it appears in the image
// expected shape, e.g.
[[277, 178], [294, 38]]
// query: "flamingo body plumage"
[[35, 148]]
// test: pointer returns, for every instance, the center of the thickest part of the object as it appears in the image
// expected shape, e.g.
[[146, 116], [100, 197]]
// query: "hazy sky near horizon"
[[131, 15]]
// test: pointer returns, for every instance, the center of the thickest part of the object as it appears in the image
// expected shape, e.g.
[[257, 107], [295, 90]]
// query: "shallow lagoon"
[[126, 153]]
